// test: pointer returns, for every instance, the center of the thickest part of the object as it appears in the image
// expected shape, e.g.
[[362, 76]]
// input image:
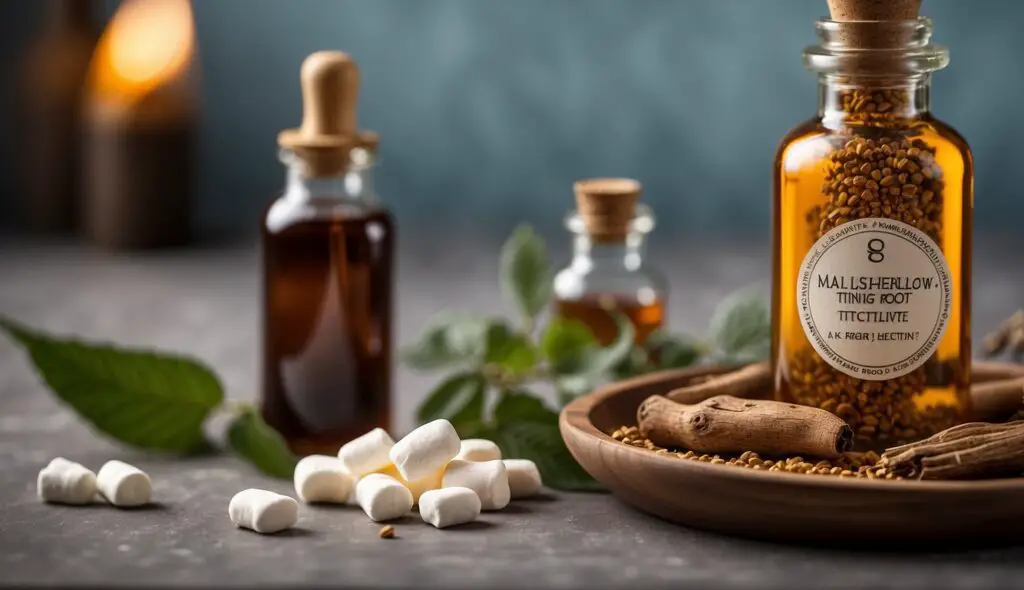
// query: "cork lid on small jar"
[[607, 207], [328, 132], [874, 24]]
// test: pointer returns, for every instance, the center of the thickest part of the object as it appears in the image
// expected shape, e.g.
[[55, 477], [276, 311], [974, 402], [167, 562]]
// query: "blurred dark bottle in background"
[[140, 129], [49, 108]]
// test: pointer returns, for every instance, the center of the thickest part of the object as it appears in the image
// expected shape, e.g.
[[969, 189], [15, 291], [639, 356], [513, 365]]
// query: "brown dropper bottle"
[[327, 247]]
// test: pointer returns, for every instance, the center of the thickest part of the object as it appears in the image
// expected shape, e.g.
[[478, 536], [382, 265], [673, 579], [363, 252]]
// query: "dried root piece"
[[1009, 335], [997, 399], [752, 381], [969, 451], [725, 424]]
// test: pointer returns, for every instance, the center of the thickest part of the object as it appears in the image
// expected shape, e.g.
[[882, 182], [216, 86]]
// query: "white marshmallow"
[[124, 485], [487, 478], [478, 449], [321, 478], [383, 497], [450, 506], [66, 482], [263, 511], [523, 478], [418, 487], [368, 453], [425, 450]]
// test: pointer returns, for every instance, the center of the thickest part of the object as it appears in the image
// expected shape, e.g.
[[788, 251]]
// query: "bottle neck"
[[872, 100], [627, 254], [875, 73], [354, 185]]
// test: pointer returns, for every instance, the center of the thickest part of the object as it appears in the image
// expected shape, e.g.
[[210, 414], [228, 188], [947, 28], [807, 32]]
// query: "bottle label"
[[874, 298]]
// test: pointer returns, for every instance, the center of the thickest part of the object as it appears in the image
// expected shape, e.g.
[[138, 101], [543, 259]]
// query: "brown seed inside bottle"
[[327, 330], [878, 166]]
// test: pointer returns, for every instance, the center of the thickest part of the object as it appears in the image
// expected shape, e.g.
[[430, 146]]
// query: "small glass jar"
[[872, 219], [609, 271]]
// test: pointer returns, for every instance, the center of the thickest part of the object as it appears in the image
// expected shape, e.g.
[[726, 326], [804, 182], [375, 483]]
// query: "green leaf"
[[740, 326], [580, 374], [525, 275], [141, 398], [449, 339], [671, 351], [261, 445], [509, 350], [565, 342], [519, 406], [602, 360], [542, 443], [525, 428], [458, 399], [570, 387], [637, 362]]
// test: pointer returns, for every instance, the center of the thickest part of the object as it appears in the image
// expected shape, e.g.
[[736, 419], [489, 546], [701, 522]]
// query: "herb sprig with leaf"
[[500, 372], [496, 370], [149, 400]]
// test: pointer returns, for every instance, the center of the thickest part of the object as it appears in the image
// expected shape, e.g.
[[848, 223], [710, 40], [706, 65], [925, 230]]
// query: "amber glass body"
[[327, 315], [933, 397]]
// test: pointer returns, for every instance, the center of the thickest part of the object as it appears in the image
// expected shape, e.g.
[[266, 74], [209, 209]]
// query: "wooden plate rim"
[[576, 417]]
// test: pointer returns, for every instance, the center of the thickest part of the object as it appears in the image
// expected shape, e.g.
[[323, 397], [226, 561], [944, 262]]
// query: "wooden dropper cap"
[[865, 21], [330, 90], [607, 207]]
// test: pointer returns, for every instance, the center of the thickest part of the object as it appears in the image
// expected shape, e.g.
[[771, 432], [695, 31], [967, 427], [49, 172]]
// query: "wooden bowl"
[[783, 506]]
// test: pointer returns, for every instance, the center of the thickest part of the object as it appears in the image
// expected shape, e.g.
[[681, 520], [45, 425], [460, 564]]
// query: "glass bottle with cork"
[[608, 271], [872, 219], [327, 246]]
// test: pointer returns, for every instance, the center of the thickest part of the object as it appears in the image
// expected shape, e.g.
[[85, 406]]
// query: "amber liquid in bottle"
[[593, 310], [327, 312]]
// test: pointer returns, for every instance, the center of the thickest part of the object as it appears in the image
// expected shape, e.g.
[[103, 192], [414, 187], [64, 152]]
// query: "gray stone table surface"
[[203, 301]]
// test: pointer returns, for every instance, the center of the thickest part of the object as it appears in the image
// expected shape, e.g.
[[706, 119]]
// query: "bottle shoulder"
[[809, 130], [947, 132], [806, 143], [812, 139], [577, 280], [284, 212]]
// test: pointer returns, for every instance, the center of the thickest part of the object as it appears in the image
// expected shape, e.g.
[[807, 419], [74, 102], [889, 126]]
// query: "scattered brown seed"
[[387, 532], [867, 465]]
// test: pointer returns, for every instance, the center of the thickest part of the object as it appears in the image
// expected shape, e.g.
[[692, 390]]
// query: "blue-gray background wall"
[[489, 109]]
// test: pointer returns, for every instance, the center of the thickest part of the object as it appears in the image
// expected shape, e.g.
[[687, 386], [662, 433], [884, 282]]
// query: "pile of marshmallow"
[[66, 482], [451, 480]]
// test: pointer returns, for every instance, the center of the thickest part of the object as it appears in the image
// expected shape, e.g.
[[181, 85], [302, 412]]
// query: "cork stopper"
[[874, 24], [861, 10], [330, 89], [607, 206]]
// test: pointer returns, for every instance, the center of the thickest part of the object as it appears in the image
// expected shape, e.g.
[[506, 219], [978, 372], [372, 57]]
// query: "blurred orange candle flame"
[[147, 45]]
